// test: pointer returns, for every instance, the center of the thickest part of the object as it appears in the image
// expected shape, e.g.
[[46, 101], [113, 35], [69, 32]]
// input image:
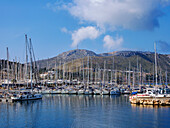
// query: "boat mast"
[[63, 71], [129, 74], [166, 77], [104, 73], [156, 65], [112, 71], [160, 79], [72, 71], [19, 73], [88, 70], [153, 81], [8, 67], [96, 73], [133, 78], [30, 63], [138, 69], [56, 72], [1, 71], [83, 71], [91, 71]]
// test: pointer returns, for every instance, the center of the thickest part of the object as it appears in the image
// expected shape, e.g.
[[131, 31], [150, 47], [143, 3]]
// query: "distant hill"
[[66, 57], [122, 58]]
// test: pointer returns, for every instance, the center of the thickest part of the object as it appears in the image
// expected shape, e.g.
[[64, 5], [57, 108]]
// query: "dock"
[[151, 101]]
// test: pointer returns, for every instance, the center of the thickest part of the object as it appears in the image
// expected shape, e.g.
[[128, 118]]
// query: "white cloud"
[[126, 14], [112, 44], [64, 30], [111, 15], [83, 33]]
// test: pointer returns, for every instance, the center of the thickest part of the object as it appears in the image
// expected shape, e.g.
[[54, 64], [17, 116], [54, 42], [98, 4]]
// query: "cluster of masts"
[[15, 73], [86, 72], [93, 73]]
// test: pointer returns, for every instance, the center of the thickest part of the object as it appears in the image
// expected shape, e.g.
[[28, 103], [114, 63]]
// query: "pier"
[[151, 101]]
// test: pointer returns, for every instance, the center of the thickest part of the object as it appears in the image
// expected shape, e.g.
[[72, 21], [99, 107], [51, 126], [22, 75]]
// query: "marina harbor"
[[85, 64], [20, 82]]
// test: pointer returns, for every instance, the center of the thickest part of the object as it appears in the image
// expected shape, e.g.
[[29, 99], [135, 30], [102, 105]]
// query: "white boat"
[[36, 90], [72, 91], [81, 91], [97, 92], [46, 91], [104, 92], [64, 91], [114, 92], [150, 92], [126, 92], [26, 95], [56, 91], [88, 92]]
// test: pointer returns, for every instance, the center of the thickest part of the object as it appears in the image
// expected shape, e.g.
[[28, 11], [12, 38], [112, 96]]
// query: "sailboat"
[[152, 92], [27, 94]]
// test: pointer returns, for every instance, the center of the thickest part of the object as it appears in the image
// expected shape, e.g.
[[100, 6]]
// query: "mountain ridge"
[[121, 56]]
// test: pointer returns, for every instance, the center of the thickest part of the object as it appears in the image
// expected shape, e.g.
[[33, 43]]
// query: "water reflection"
[[82, 111]]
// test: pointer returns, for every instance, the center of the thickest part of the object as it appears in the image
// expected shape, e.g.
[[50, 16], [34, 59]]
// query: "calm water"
[[82, 111]]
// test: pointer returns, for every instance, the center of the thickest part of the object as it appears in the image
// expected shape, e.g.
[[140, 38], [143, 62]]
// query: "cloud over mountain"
[[125, 14], [112, 15], [112, 44], [83, 33]]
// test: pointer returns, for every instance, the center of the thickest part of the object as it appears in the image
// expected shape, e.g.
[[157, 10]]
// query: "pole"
[[8, 67], [156, 66]]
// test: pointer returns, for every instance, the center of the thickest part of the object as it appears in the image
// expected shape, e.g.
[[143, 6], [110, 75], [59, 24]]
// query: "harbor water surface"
[[76, 111]]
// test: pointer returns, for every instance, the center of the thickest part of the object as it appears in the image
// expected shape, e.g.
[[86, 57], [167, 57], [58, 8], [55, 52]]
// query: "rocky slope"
[[122, 58]]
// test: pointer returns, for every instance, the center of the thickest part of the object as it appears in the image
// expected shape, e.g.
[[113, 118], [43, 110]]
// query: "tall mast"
[[112, 70], [56, 72], [88, 70], [133, 78], [138, 70], [153, 81], [129, 74], [96, 74], [72, 71], [83, 70], [111, 76], [47, 70], [60, 71], [1, 71], [63, 71], [160, 79], [104, 73], [69, 75], [141, 74], [19, 73], [26, 61], [166, 77], [156, 66], [116, 76], [91, 70], [8, 67], [30, 62]]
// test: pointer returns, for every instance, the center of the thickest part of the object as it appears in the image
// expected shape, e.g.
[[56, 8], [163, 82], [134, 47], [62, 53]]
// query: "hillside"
[[122, 58], [66, 57]]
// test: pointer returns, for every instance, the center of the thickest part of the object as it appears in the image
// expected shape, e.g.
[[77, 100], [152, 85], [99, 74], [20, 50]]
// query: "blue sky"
[[56, 26]]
